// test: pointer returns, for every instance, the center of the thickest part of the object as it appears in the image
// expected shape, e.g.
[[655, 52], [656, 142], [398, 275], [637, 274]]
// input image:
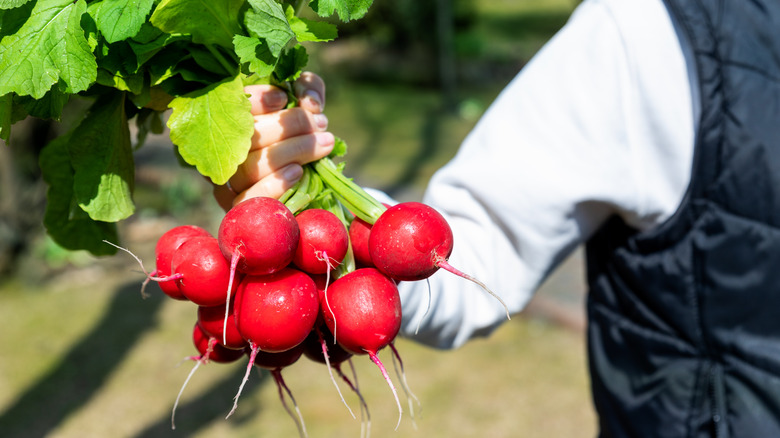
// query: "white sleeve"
[[549, 161]]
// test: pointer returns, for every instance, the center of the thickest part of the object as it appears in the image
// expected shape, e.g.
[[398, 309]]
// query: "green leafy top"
[[138, 58]]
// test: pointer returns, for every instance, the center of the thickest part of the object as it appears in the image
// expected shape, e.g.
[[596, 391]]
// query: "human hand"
[[283, 141]]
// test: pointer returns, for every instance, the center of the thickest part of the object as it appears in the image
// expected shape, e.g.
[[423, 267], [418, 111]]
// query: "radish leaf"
[[267, 20], [121, 19], [48, 107], [10, 4], [309, 30], [6, 106], [213, 128], [102, 160], [207, 21], [291, 64], [49, 47], [66, 223], [255, 54], [347, 9]]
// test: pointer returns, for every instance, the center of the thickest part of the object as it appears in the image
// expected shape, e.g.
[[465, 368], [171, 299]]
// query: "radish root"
[[444, 264], [398, 364], [198, 361], [330, 370], [149, 276], [375, 359], [233, 265], [281, 385], [252, 357]]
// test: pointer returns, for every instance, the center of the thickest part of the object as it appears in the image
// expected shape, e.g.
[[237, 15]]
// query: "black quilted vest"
[[684, 320]]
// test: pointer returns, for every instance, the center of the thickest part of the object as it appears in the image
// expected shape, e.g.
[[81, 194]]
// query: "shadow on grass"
[[212, 405], [89, 364], [84, 369]]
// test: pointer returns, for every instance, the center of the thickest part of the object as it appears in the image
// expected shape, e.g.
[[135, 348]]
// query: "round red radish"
[[359, 231], [323, 241], [365, 316], [261, 233], [218, 352], [275, 361], [212, 321], [409, 241], [364, 311], [205, 274], [276, 312], [166, 245]]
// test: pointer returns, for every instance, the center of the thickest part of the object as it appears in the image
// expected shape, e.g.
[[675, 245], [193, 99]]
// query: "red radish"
[[276, 312], [210, 350], [166, 245], [365, 315], [359, 231], [411, 241], [211, 321], [323, 242], [277, 361], [205, 274], [365, 310], [259, 235]]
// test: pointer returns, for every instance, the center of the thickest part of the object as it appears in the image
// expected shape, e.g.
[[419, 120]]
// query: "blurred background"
[[82, 354]]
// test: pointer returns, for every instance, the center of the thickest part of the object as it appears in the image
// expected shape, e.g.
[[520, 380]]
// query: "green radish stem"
[[357, 200], [302, 197]]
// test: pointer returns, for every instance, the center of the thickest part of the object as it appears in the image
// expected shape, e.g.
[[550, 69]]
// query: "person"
[[649, 131]]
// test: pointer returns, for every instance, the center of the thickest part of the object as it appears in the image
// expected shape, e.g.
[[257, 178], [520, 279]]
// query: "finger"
[[281, 125], [266, 98], [224, 196], [273, 185], [262, 162], [310, 90]]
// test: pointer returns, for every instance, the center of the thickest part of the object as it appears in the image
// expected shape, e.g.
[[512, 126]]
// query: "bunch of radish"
[[321, 263]]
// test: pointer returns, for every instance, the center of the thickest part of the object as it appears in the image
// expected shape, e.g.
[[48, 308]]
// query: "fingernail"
[[315, 100], [274, 99], [324, 138], [292, 172], [321, 120]]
